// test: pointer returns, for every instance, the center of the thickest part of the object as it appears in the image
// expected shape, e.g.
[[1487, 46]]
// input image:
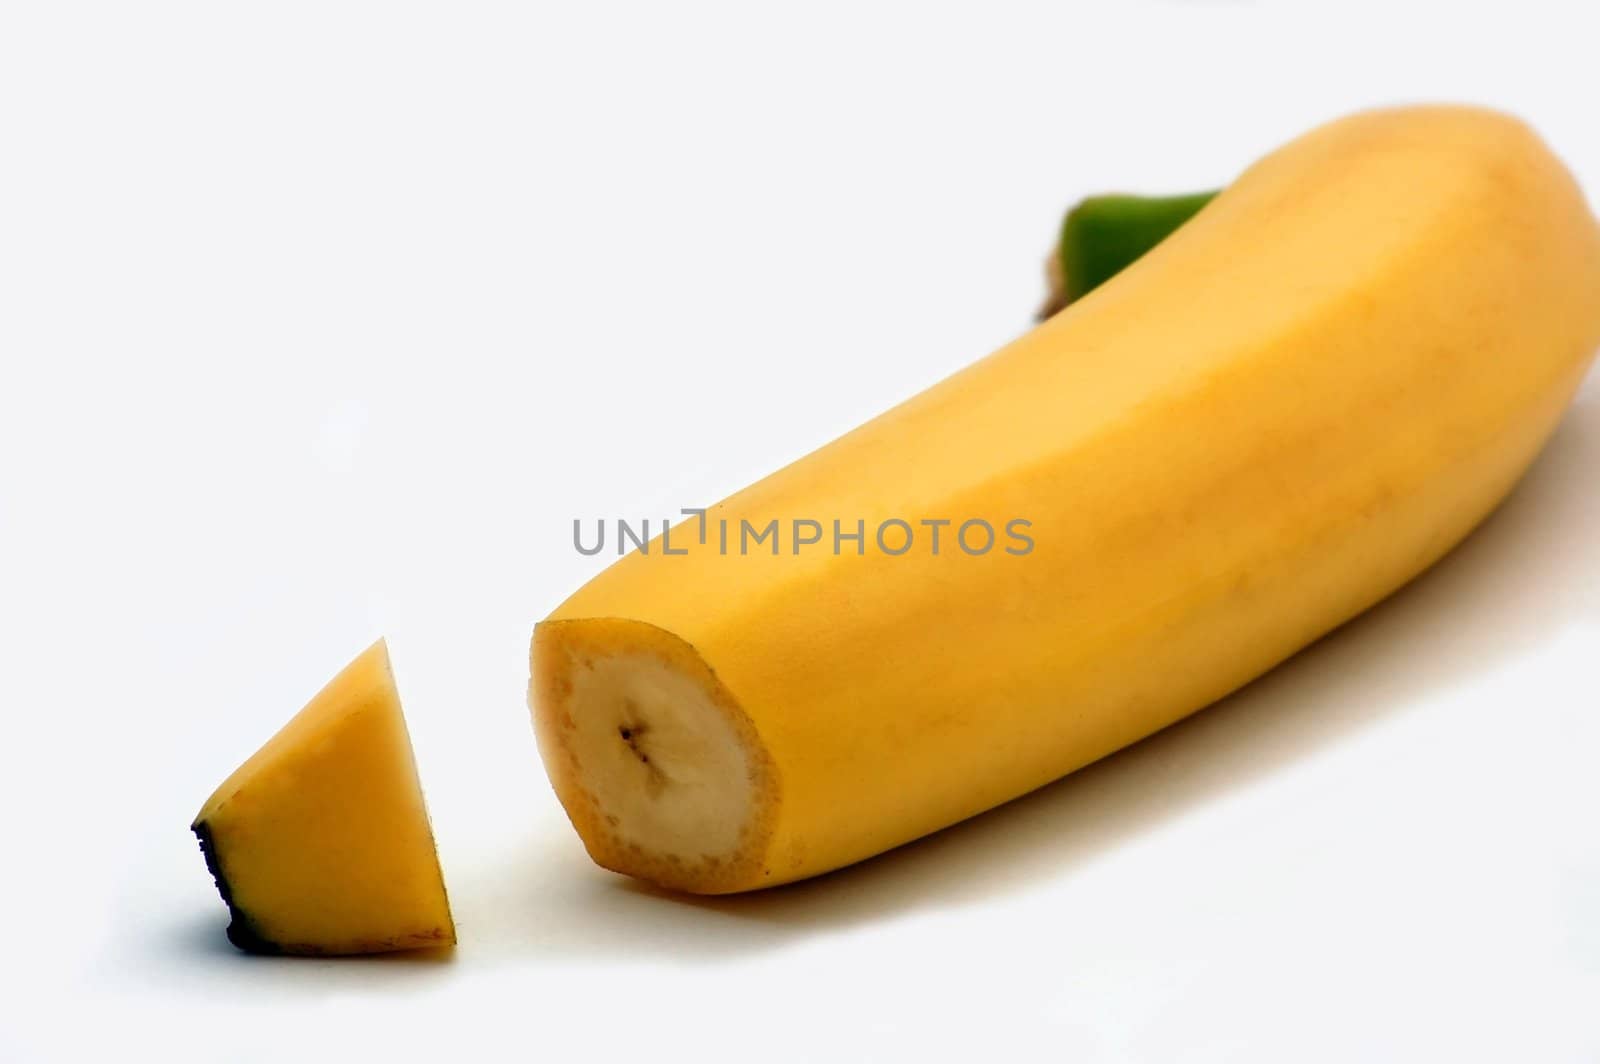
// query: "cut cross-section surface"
[[651, 756]]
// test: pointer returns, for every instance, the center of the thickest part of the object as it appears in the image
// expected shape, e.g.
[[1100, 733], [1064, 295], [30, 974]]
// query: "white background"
[[320, 322]]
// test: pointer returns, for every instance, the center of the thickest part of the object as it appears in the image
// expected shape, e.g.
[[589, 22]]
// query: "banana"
[[320, 842], [1296, 403]]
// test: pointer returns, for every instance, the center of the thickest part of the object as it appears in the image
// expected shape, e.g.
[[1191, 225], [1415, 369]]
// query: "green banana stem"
[[1103, 235]]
